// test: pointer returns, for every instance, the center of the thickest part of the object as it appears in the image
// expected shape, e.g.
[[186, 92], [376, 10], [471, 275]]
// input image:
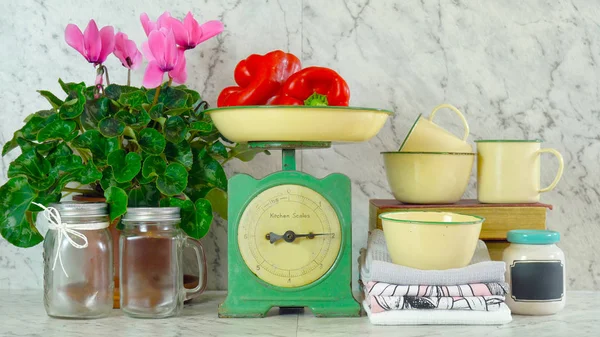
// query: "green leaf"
[[179, 111], [33, 126], [26, 145], [17, 225], [244, 153], [64, 179], [108, 180], [193, 99], [218, 200], [97, 144], [144, 196], [195, 218], [61, 150], [175, 129], [114, 91], [207, 171], [66, 164], [141, 180], [58, 129], [135, 119], [173, 181], [151, 141], [89, 174], [29, 164], [156, 111], [171, 97], [90, 92], [134, 99], [187, 210], [75, 101], [11, 144], [45, 113], [203, 217], [111, 127], [117, 200], [125, 166], [218, 149], [181, 153], [70, 86], [53, 100], [154, 166], [201, 126], [94, 111], [45, 198]]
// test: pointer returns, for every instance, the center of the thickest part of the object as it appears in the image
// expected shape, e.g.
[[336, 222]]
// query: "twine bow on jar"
[[65, 230]]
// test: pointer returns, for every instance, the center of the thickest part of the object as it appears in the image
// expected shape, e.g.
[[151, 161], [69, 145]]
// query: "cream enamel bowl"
[[428, 177], [431, 240], [243, 124]]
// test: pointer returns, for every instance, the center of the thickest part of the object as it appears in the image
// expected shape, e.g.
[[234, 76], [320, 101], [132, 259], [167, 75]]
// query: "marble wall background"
[[518, 69]]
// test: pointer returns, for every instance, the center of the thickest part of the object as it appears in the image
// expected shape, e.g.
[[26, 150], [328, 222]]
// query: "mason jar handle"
[[561, 165], [458, 113], [199, 289]]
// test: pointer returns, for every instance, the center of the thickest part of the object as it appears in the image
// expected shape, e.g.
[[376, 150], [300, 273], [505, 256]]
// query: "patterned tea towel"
[[376, 265], [466, 290], [475, 303], [439, 317]]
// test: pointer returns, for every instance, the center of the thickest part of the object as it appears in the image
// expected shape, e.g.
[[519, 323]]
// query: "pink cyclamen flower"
[[163, 21], [189, 34], [126, 51], [94, 45], [163, 57]]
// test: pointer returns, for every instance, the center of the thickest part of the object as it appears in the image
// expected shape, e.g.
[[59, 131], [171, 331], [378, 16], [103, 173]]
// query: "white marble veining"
[[524, 69], [23, 315]]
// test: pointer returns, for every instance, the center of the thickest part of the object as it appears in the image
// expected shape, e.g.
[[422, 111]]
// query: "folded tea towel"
[[466, 290], [439, 317], [376, 265], [473, 303]]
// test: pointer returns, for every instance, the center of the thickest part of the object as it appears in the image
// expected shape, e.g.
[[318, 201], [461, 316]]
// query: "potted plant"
[[134, 146]]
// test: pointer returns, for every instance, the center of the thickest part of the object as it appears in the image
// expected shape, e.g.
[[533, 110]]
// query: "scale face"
[[293, 260], [289, 242]]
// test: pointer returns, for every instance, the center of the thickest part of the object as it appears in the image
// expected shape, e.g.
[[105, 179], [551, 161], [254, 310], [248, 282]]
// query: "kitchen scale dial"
[[289, 236]]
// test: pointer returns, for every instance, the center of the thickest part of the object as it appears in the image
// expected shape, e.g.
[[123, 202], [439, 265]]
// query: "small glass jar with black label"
[[535, 271]]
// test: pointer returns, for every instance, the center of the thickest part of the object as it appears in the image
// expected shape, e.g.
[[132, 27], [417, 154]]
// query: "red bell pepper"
[[313, 86], [258, 78]]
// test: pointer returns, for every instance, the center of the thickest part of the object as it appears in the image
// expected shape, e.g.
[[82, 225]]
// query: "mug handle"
[[199, 289], [462, 118], [561, 165]]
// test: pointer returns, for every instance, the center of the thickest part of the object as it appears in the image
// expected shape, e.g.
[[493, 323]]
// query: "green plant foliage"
[[152, 141], [136, 147]]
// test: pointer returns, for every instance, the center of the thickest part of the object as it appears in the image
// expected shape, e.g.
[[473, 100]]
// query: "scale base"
[[253, 308]]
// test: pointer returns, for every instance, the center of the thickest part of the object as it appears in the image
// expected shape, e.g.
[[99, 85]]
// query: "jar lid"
[[533, 236], [75, 209], [154, 214]]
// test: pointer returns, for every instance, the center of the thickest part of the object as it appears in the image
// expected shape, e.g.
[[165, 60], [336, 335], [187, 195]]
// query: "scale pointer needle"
[[290, 236]]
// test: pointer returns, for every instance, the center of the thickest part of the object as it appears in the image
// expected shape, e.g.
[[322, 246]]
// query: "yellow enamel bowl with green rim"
[[243, 124], [431, 240], [428, 177]]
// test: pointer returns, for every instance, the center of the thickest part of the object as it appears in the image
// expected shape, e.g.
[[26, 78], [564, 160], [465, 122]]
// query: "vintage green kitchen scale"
[[290, 234]]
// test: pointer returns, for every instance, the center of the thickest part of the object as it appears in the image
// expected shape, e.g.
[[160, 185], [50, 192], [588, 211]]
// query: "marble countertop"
[[22, 314]]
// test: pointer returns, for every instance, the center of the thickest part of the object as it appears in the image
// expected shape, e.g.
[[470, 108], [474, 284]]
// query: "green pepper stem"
[[316, 100]]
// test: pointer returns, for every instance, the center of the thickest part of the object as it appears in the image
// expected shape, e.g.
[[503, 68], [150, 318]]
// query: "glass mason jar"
[[151, 254], [78, 261], [535, 272]]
